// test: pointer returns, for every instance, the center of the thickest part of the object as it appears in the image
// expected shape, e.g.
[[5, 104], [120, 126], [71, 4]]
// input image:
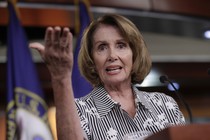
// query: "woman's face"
[[112, 56]]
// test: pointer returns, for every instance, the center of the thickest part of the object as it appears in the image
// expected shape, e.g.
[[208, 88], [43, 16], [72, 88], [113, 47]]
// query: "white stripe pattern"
[[103, 119]]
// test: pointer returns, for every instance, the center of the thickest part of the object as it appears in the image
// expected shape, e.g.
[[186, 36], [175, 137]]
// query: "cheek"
[[98, 64], [130, 61]]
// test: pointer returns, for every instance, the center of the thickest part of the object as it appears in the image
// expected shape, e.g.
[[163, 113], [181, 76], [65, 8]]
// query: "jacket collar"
[[104, 103], [141, 98]]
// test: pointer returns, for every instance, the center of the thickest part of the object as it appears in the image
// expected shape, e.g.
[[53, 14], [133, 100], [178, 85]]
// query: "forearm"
[[67, 119]]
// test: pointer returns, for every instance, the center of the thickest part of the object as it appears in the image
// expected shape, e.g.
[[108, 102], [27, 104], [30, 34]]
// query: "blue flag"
[[80, 86], [26, 108]]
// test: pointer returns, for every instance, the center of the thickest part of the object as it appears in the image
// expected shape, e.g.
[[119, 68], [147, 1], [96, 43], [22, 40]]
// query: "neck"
[[125, 97], [119, 91]]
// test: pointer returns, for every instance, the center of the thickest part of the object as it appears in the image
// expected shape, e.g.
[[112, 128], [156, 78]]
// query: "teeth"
[[112, 69]]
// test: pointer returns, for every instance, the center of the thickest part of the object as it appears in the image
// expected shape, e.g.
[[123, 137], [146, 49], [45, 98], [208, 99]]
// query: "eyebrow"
[[103, 41], [99, 42]]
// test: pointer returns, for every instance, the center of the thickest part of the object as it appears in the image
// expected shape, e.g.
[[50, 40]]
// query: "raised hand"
[[57, 51]]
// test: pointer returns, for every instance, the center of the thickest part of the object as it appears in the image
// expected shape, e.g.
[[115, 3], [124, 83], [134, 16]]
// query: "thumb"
[[38, 46]]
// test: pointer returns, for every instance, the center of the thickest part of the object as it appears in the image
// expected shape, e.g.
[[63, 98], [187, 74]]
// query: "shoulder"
[[157, 100], [152, 96], [83, 102], [162, 103], [157, 96], [160, 100]]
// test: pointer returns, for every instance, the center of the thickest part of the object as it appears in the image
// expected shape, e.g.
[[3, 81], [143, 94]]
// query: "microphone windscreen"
[[163, 79]]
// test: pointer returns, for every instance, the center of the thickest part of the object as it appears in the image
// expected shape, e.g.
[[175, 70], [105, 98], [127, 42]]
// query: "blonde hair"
[[141, 58]]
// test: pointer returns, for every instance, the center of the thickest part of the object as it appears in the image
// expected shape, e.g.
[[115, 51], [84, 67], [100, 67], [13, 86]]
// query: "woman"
[[113, 58]]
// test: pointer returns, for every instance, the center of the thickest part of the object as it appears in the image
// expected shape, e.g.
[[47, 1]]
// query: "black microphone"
[[165, 79]]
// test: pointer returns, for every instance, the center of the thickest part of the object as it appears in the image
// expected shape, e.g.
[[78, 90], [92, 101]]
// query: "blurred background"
[[177, 33]]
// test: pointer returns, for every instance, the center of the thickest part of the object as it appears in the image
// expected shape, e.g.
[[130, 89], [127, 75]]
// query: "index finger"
[[65, 40]]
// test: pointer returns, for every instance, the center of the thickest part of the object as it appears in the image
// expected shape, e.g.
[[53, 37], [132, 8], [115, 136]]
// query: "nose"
[[112, 55]]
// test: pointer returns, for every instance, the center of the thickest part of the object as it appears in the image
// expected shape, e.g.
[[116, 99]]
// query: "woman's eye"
[[121, 45], [102, 47]]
